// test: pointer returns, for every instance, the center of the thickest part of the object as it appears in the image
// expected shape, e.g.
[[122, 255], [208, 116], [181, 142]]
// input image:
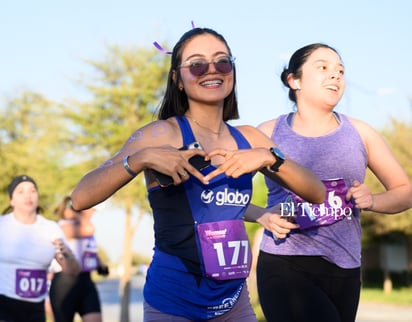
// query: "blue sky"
[[44, 43]]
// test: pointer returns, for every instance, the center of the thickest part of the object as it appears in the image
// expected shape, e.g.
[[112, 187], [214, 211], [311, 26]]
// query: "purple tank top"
[[339, 154]]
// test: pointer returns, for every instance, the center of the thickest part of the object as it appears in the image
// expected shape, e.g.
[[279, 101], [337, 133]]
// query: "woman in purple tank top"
[[309, 263]]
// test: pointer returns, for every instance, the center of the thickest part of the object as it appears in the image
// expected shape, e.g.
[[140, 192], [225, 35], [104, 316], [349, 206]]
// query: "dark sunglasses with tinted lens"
[[199, 67]]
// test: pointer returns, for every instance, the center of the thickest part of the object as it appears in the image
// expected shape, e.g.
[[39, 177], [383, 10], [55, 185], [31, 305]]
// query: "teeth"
[[334, 88], [212, 82]]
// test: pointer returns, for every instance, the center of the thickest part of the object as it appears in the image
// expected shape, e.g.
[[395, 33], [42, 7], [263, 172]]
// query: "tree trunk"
[[125, 279], [387, 283]]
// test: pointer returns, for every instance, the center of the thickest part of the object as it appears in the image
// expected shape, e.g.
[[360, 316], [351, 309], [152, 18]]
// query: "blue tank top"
[[175, 282], [340, 154]]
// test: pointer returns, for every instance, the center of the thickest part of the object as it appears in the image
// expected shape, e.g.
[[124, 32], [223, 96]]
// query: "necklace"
[[206, 128]]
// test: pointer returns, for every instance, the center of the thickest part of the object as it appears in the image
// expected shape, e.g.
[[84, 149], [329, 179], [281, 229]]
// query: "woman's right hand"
[[279, 225], [172, 162], [65, 257]]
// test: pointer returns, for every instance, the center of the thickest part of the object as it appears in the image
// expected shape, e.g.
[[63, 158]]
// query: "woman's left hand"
[[361, 195], [238, 162]]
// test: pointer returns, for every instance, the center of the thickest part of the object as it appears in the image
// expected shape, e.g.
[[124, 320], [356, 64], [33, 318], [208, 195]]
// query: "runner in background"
[[28, 244], [77, 294]]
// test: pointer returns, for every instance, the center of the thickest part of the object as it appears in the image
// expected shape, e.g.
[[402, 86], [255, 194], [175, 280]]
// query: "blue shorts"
[[241, 312]]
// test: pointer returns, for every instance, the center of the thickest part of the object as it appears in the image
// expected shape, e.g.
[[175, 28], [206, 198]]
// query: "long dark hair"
[[175, 102]]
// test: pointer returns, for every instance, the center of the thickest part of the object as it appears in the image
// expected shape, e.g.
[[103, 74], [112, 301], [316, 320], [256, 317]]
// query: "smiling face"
[[213, 86], [322, 79]]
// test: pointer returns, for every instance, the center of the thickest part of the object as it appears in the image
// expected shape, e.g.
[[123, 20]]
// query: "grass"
[[373, 288], [398, 296]]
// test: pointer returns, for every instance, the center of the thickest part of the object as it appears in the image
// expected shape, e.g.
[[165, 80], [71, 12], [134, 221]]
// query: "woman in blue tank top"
[[309, 265], [198, 172]]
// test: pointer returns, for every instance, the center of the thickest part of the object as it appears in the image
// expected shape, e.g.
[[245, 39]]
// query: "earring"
[[296, 82], [180, 88]]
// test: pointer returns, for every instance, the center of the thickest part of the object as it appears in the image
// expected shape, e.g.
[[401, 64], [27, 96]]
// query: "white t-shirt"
[[26, 251]]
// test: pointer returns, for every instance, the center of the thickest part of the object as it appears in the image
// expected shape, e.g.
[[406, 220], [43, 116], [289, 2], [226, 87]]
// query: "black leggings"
[[306, 289], [73, 294], [12, 310]]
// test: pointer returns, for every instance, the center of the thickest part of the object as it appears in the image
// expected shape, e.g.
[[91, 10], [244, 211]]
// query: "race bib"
[[31, 283], [335, 207], [225, 249], [89, 261]]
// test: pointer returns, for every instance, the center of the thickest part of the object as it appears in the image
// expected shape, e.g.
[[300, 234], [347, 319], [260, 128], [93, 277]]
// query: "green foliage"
[[125, 88], [401, 296], [259, 197], [31, 134], [398, 136], [57, 143], [139, 259]]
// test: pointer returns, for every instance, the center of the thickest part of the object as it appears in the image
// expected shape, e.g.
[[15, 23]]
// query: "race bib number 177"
[[225, 249]]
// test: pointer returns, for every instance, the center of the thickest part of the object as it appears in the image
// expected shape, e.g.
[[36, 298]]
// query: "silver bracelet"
[[127, 167]]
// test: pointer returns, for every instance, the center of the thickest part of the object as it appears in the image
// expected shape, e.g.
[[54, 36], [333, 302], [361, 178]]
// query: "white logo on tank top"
[[225, 197]]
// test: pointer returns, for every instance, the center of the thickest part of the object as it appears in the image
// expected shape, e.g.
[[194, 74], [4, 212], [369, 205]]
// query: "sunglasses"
[[199, 67]]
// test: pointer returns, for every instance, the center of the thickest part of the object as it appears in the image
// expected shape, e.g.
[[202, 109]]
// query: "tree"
[[398, 135], [32, 132], [125, 89], [387, 229]]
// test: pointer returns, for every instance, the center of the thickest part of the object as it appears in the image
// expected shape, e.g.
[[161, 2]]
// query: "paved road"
[[372, 312], [109, 293]]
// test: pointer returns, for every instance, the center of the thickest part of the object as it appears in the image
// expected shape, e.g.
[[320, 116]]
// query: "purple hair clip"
[[164, 51]]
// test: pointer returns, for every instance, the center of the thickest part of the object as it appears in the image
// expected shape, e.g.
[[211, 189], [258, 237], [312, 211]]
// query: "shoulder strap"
[[186, 130], [241, 141]]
